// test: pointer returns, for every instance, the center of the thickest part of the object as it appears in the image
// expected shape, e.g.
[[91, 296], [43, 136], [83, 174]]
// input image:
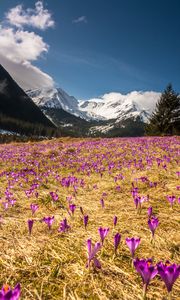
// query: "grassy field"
[[52, 265]]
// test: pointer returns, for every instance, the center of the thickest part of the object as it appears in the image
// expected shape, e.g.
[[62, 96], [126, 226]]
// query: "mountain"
[[56, 98], [111, 114], [62, 109], [120, 106], [16, 104]]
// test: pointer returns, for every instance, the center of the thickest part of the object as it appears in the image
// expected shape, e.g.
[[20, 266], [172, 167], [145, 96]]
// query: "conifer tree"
[[165, 120]]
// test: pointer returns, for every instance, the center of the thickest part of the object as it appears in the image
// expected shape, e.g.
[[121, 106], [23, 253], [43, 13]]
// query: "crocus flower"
[[147, 272], [169, 273], [54, 196], [7, 293], [104, 194], [72, 208], [117, 239], [115, 221], [137, 201], [12, 201], [118, 188], [171, 200], [153, 223], [48, 221], [34, 207], [150, 212], [86, 220], [103, 233], [132, 244], [64, 226], [30, 225], [92, 254]]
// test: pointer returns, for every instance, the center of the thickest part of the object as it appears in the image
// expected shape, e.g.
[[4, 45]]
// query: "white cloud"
[[19, 47], [37, 17], [26, 75], [82, 19]]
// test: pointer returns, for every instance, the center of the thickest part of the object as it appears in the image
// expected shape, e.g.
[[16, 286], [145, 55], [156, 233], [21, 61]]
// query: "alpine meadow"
[[89, 150], [91, 218]]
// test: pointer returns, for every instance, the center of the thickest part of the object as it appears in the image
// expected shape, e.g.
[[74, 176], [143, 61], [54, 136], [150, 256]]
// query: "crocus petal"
[[97, 263], [89, 243]]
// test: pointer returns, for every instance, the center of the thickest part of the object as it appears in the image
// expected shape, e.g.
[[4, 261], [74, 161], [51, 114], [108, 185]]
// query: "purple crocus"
[[150, 211], [153, 223], [137, 201], [48, 221], [72, 208], [92, 254], [85, 219], [169, 273], [118, 188], [117, 239], [7, 293], [132, 244], [64, 227], [103, 233], [147, 271], [30, 225], [34, 207], [54, 196], [115, 221], [171, 200]]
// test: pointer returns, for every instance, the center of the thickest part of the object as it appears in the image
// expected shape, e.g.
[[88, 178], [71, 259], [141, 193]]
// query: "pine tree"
[[165, 120]]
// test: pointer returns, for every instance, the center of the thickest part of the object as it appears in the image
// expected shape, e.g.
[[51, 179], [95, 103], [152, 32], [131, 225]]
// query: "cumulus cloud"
[[82, 19], [19, 48], [37, 17], [21, 45]]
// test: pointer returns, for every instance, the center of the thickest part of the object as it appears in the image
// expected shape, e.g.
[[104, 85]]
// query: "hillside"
[[17, 105]]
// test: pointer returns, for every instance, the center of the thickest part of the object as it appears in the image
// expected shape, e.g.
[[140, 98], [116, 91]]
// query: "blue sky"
[[99, 46]]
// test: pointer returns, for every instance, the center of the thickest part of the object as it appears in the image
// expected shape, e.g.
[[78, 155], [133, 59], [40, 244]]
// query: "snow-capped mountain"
[[110, 106], [119, 106], [55, 98], [111, 114]]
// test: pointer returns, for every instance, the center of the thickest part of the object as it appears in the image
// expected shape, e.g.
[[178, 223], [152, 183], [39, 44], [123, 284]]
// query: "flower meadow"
[[90, 219]]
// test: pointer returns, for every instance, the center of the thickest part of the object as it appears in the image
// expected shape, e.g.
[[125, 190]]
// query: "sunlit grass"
[[52, 265]]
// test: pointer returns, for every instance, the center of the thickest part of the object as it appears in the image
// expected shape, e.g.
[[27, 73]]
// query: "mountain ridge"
[[98, 109]]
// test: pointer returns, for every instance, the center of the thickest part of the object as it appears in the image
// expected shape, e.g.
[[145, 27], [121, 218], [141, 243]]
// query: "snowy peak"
[[109, 106], [120, 106], [55, 98]]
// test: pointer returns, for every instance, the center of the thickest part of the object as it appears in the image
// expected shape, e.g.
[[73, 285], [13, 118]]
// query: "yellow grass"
[[50, 265]]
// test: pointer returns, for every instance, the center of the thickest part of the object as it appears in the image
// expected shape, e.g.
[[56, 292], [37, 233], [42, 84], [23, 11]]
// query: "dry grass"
[[50, 265]]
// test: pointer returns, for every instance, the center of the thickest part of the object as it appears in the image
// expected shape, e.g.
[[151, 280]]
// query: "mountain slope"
[[56, 98], [16, 104]]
